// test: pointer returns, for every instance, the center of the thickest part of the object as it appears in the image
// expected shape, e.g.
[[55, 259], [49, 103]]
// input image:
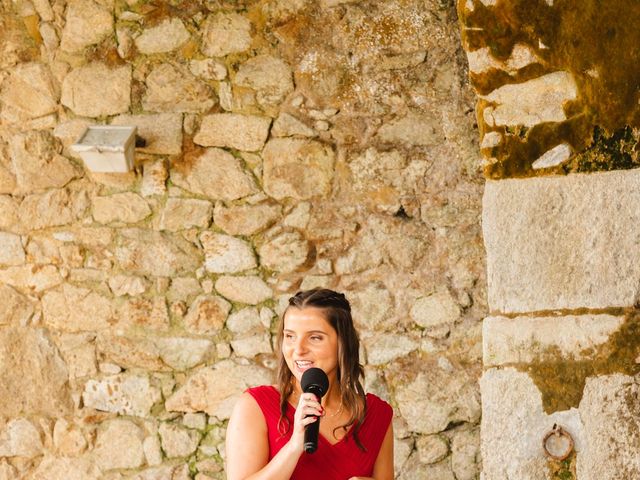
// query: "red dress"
[[340, 461]]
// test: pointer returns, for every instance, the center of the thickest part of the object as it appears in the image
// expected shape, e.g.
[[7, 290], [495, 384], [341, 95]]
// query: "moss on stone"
[[596, 42], [564, 469], [561, 380]]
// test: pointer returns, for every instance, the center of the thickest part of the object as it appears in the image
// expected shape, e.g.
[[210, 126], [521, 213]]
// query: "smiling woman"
[[265, 435]]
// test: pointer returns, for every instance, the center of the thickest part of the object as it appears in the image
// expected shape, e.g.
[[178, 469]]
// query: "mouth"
[[303, 365]]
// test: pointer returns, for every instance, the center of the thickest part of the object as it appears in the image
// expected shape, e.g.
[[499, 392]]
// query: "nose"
[[300, 346]]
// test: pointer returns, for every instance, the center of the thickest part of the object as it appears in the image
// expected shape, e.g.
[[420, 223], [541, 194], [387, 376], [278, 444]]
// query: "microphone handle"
[[311, 436]]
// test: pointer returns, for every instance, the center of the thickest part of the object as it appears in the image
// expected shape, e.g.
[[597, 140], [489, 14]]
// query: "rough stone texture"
[[146, 313], [284, 251], [127, 285], [178, 441], [20, 438], [119, 445], [372, 176], [371, 306], [432, 449], [183, 353], [180, 214], [63, 468], [225, 33], [121, 207], [413, 129], [15, 309], [531, 102], [465, 454], [207, 314], [383, 348], [297, 168], [435, 313], [447, 394], [287, 125], [161, 132], [87, 23], [34, 375], [76, 309], [216, 174], [514, 424], [31, 278], [96, 90], [226, 254], [269, 77], [151, 253], [29, 92], [233, 130], [553, 271], [245, 219], [37, 164], [11, 251], [125, 394], [154, 178], [214, 390], [164, 37], [609, 411], [173, 89], [529, 339], [250, 290], [49, 209]]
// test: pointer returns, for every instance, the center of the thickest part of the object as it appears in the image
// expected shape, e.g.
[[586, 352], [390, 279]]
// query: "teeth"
[[303, 363]]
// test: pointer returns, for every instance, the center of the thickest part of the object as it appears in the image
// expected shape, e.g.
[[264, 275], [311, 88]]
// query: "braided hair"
[[350, 372]]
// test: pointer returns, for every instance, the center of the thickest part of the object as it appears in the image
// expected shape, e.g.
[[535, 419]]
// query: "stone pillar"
[[561, 344]]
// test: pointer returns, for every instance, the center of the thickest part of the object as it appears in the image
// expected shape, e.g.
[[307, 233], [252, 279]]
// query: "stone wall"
[[558, 87], [287, 144]]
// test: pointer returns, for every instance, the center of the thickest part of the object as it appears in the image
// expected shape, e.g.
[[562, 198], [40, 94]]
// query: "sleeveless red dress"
[[340, 461]]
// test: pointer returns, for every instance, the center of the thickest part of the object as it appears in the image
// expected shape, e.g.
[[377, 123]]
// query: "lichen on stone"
[[594, 42]]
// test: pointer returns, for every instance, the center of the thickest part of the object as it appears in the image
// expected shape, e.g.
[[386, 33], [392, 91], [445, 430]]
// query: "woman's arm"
[[247, 443], [383, 468]]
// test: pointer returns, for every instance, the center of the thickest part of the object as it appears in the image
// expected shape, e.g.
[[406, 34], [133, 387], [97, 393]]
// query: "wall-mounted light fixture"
[[107, 148]]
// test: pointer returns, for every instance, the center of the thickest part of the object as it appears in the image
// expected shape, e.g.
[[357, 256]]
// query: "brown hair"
[[350, 372]]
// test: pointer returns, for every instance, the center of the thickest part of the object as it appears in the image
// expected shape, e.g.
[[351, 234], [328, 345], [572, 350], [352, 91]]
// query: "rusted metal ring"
[[558, 431]]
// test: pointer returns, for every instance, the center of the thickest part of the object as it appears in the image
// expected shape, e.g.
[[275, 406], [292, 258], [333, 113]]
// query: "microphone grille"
[[315, 377]]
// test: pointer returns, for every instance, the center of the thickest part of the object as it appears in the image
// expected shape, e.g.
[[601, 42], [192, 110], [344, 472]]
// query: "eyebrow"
[[310, 331]]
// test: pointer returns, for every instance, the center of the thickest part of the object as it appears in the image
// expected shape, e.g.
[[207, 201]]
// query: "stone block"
[[609, 411], [87, 23], [250, 290], [178, 441], [75, 309], [412, 129], [11, 251], [126, 207], [216, 174], [29, 92], [31, 278], [225, 33], [119, 445], [233, 130], [126, 394], [168, 35], [15, 308], [514, 425], [297, 168], [284, 251], [269, 77], [529, 339], [162, 132], [96, 90], [34, 376], [207, 315], [20, 438], [226, 254], [214, 390], [385, 347], [245, 219], [49, 209], [65, 468], [156, 253], [562, 242], [174, 89], [182, 213]]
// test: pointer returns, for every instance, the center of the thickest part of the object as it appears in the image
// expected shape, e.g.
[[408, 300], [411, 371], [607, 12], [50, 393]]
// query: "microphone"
[[313, 381]]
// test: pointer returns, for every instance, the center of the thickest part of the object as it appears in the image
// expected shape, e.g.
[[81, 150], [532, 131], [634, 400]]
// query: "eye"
[[288, 336], [316, 338]]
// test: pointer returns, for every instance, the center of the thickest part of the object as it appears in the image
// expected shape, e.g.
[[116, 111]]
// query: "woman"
[[265, 434]]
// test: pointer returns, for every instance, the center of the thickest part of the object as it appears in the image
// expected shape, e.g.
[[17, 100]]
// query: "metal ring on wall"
[[557, 431]]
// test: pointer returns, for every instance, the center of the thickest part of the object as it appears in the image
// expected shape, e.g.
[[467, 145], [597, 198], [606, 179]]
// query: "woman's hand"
[[306, 412]]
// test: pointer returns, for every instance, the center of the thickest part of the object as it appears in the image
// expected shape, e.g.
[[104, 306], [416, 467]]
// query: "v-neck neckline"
[[320, 435]]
